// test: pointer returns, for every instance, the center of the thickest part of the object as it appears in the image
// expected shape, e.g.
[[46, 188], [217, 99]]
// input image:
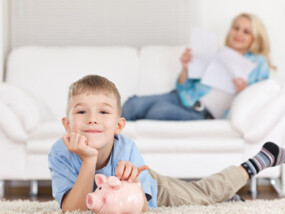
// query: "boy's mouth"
[[92, 131]]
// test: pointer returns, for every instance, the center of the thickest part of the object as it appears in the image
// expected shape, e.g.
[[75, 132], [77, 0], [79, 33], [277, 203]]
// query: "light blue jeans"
[[159, 107]]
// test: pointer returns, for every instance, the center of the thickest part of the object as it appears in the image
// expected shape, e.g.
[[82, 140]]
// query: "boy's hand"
[[78, 144], [186, 58], [128, 171]]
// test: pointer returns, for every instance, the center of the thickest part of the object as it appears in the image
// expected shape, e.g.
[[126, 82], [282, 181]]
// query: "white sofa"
[[33, 101]]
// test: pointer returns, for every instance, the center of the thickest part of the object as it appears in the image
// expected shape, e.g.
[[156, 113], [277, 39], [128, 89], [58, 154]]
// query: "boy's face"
[[96, 117]]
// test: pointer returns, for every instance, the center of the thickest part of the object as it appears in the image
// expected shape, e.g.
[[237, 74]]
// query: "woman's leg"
[[172, 111], [136, 107]]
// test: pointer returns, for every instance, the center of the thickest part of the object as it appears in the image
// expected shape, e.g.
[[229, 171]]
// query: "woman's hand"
[[186, 58], [128, 171], [240, 84]]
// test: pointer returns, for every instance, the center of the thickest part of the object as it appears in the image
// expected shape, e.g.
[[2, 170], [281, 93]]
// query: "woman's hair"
[[260, 44]]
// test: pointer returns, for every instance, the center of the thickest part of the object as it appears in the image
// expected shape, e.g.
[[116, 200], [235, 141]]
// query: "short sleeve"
[[62, 174]]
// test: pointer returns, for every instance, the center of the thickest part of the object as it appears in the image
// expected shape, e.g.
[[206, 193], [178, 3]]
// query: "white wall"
[[138, 22], [99, 22], [1, 39]]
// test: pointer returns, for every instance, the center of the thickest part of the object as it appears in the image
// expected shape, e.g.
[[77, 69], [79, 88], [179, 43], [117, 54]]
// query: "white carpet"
[[248, 207]]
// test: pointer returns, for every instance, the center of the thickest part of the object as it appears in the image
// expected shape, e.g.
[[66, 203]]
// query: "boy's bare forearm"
[[76, 198]]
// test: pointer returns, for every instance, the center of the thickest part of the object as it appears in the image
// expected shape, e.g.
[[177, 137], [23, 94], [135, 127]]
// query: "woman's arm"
[[185, 59], [183, 76]]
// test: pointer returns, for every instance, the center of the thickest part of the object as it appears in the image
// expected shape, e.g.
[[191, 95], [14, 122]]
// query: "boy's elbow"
[[69, 207], [144, 209]]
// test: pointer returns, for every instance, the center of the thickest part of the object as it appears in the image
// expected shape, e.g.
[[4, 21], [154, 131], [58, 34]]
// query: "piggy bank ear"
[[114, 182], [100, 179]]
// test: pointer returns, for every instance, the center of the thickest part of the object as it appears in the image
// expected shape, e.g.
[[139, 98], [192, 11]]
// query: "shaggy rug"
[[257, 207]]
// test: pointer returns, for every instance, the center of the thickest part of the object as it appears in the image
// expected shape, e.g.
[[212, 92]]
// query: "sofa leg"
[[253, 188], [2, 189], [33, 188], [275, 182]]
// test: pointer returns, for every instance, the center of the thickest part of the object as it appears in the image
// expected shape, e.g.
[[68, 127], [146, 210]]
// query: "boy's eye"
[[104, 112], [81, 112], [100, 188], [236, 28]]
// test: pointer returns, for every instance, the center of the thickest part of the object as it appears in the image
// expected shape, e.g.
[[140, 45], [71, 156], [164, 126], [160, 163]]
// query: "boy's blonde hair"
[[260, 44], [93, 84]]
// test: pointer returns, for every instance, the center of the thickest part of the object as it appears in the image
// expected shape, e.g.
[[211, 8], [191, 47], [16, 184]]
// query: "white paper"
[[225, 66], [204, 46]]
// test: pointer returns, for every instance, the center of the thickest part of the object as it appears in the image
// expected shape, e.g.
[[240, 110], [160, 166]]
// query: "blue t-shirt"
[[65, 166], [192, 90]]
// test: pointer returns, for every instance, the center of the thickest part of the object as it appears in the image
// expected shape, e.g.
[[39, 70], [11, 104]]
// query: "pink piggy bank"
[[115, 196]]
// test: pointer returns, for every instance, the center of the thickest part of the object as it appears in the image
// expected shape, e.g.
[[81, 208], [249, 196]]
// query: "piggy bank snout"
[[90, 201], [93, 203]]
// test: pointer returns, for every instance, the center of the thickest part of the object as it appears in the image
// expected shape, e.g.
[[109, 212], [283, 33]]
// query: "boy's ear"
[[121, 125], [65, 123]]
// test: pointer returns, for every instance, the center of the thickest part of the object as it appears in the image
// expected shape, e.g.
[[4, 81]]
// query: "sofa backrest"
[[47, 72], [159, 68]]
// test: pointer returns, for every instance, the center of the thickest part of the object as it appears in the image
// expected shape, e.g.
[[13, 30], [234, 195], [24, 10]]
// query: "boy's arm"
[[76, 198]]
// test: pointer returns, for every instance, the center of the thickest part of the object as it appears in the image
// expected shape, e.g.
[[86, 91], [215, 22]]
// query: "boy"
[[93, 144]]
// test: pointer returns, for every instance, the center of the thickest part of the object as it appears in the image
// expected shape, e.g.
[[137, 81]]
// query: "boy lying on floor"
[[93, 144]]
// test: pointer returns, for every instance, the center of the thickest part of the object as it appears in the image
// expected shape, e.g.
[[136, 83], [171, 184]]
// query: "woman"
[[194, 101]]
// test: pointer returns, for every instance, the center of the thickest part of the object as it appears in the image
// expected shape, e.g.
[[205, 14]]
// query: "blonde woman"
[[194, 101]]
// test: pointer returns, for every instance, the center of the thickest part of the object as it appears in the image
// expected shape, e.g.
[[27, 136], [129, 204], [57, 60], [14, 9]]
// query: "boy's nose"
[[92, 120]]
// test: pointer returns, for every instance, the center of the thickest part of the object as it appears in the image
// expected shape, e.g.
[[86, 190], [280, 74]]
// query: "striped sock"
[[270, 155]]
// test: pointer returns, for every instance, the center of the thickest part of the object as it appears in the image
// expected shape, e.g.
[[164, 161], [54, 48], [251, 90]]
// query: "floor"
[[45, 193]]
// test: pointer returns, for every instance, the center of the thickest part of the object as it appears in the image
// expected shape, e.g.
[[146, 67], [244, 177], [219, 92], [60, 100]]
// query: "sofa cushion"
[[48, 130], [257, 110], [185, 129], [47, 72], [40, 146], [44, 137], [190, 145]]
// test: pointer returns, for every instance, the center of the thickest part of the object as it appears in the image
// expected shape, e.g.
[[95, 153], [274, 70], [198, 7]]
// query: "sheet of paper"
[[204, 45], [226, 65]]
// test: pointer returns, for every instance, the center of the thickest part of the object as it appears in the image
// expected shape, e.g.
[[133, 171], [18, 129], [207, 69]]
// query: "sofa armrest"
[[10, 124], [23, 104], [256, 111]]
